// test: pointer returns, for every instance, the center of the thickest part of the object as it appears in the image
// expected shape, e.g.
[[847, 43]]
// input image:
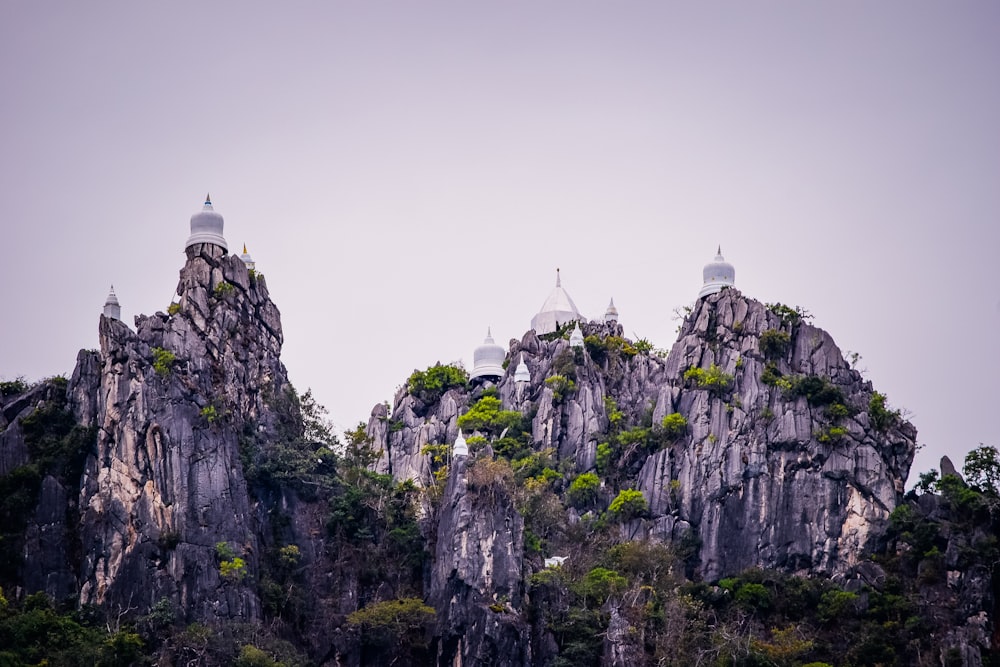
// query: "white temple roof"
[[488, 359], [717, 274], [206, 227], [558, 309]]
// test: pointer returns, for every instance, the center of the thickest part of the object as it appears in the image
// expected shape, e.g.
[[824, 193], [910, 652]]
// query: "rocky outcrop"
[[172, 403], [477, 578], [779, 465]]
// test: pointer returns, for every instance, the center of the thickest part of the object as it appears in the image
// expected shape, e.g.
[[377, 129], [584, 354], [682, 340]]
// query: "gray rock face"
[[476, 578], [788, 473], [171, 402]]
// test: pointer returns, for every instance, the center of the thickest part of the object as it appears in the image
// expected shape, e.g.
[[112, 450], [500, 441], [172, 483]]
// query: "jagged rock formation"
[[171, 403], [766, 475], [754, 444]]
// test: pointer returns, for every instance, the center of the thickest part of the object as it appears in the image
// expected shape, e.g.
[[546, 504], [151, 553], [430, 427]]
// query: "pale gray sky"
[[407, 174]]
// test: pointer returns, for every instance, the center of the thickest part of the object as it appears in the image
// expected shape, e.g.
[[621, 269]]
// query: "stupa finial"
[[558, 279]]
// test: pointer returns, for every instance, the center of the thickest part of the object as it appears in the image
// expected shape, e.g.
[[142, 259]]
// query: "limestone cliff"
[[779, 464], [171, 403]]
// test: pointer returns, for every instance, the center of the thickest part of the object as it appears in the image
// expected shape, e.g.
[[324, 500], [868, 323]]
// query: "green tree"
[[488, 417], [982, 469], [431, 384]]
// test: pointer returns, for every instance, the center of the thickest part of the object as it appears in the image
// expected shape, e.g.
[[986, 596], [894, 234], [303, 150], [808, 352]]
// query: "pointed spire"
[[244, 248], [611, 314], [522, 374], [112, 308], [558, 279], [460, 448], [208, 199]]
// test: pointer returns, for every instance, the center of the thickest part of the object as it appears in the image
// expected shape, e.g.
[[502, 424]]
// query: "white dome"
[[611, 314], [111, 306], [488, 359], [461, 448], [206, 227], [522, 374], [576, 338], [717, 275], [558, 309]]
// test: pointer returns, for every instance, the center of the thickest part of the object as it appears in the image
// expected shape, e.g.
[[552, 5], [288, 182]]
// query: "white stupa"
[[558, 309], [521, 373], [247, 259], [488, 359], [576, 338], [461, 448], [112, 308], [611, 314], [718, 275], [206, 227]]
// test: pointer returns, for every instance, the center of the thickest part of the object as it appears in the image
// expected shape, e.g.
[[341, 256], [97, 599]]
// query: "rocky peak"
[[173, 402]]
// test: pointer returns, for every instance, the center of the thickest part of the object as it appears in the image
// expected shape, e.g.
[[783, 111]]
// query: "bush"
[[430, 385], [173, 309], [674, 426], [774, 343], [223, 290], [789, 316], [561, 387], [163, 361], [713, 379], [629, 504], [12, 387], [583, 491], [486, 416], [817, 390], [879, 415]]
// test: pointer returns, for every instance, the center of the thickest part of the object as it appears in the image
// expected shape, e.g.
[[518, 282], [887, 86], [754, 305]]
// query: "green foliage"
[[599, 584], [880, 416], [817, 390], [837, 605], [487, 417], [565, 364], [163, 361], [561, 387], [774, 343], [13, 387], [837, 411], [674, 426], [223, 290], [583, 491], [712, 378], [209, 413], [643, 346], [430, 385], [629, 504], [982, 469], [400, 622], [605, 452], [615, 416], [251, 656], [173, 309], [831, 434], [789, 316]]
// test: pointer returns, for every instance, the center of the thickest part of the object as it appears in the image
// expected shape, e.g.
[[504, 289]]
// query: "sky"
[[408, 174]]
